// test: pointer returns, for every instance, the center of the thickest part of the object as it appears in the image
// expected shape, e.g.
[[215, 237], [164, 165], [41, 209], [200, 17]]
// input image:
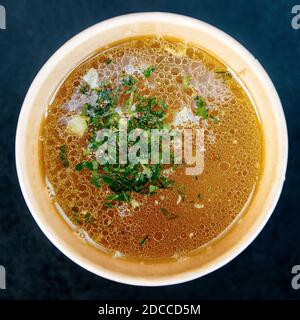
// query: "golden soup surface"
[[164, 222]]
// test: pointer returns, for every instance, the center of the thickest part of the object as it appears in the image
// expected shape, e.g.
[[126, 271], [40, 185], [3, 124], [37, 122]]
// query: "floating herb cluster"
[[113, 102], [141, 112]]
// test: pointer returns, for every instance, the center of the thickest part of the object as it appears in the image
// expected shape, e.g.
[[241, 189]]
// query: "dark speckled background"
[[35, 268]]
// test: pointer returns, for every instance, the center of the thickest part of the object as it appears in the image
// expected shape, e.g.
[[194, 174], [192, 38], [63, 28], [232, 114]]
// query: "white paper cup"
[[260, 88]]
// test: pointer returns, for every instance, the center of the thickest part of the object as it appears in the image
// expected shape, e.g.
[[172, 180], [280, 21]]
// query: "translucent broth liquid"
[[211, 201]]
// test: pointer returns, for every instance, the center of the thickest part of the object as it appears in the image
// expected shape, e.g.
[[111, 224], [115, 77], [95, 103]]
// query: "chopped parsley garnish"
[[127, 178], [114, 100], [215, 119], [108, 204], [63, 156], [128, 80], [186, 81], [95, 179], [201, 109], [108, 60], [112, 197], [85, 151], [128, 83], [83, 89], [84, 111], [76, 218], [123, 179], [88, 218], [84, 165], [152, 188], [148, 71], [142, 242]]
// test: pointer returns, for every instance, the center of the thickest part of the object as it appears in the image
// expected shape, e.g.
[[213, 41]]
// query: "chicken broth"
[[151, 211]]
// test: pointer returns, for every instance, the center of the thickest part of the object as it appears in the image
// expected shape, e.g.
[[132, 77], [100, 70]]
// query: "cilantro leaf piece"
[[63, 156], [148, 71]]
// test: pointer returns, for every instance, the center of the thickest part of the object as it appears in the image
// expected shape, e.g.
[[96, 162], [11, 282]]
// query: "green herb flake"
[[186, 81], [85, 151], [108, 60], [88, 218], [63, 156], [128, 80], [163, 104], [201, 110], [84, 165], [142, 242], [95, 165], [153, 188], [95, 179], [83, 89], [148, 71], [76, 218], [112, 197], [215, 119], [84, 110], [122, 180], [108, 205]]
